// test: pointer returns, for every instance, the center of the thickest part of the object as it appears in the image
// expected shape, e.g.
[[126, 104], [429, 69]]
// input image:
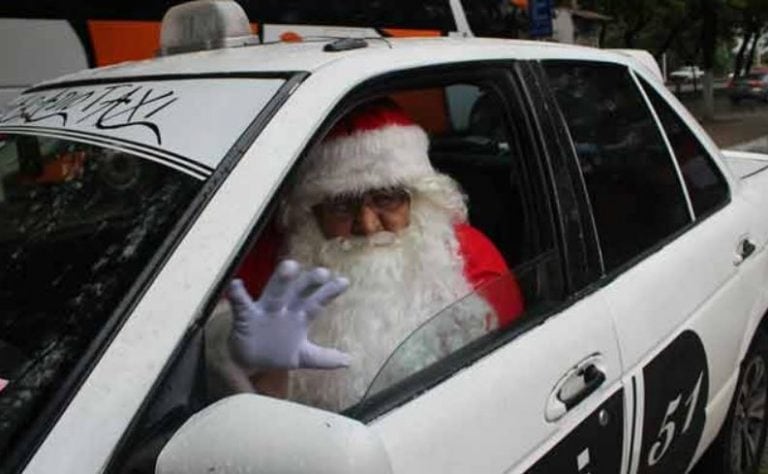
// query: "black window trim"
[[569, 148], [607, 277], [695, 217], [22, 451], [667, 144], [555, 137]]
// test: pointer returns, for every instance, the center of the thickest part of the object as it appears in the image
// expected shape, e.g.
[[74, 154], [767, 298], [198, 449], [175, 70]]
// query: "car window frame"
[[608, 276], [580, 237], [708, 156], [539, 126], [516, 73], [508, 72], [667, 145], [26, 446]]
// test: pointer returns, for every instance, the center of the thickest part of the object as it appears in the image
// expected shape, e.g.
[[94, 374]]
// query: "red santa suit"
[[483, 264]]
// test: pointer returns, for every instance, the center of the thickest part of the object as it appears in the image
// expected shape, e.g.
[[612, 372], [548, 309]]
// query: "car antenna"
[[345, 44]]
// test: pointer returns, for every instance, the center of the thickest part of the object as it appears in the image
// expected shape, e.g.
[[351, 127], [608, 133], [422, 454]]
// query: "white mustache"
[[379, 239]]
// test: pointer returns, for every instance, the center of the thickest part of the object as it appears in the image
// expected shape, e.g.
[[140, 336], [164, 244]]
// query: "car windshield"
[[93, 180], [77, 224]]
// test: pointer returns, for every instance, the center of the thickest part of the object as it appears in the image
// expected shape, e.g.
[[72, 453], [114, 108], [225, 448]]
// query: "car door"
[[672, 238], [545, 393]]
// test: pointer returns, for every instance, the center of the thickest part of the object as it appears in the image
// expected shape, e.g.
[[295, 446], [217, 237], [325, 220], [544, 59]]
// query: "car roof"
[[309, 56]]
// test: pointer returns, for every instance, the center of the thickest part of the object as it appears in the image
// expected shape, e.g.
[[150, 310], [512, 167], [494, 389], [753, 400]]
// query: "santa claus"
[[373, 243]]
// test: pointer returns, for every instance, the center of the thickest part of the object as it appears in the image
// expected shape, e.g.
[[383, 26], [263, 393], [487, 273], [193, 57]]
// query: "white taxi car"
[[129, 195]]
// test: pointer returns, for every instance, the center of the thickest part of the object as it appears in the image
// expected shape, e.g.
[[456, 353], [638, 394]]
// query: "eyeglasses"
[[348, 206]]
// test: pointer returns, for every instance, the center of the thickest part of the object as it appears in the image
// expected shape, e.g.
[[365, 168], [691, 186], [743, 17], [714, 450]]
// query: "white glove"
[[271, 333]]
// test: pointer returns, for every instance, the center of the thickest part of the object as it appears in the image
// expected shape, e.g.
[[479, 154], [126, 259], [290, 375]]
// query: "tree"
[[751, 22], [654, 25], [689, 30], [709, 37]]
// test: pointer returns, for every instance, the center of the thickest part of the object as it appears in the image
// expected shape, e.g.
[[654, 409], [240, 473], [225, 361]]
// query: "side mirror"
[[255, 434]]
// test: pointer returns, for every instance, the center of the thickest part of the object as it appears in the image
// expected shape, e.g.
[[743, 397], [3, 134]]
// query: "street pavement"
[[743, 126]]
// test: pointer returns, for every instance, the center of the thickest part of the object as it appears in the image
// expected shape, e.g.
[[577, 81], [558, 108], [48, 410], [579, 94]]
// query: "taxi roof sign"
[[204, 24]]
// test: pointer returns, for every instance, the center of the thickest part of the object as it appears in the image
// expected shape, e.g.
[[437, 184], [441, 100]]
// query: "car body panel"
[[745, 164], [502, 426], [380, 55], [668, 310], [151, 119], [728, 281]]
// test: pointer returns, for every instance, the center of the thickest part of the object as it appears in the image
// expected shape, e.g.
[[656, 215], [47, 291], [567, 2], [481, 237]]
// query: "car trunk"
[[745, 164]]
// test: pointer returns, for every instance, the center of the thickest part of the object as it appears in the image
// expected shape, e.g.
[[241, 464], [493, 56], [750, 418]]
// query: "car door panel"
[[680, 298], [675, 385], [667, 405], [594, 446], [676, 292], [687, 275], [492, 418]]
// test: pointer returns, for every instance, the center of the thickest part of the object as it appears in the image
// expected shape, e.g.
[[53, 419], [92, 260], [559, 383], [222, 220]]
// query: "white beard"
[[394, 289]]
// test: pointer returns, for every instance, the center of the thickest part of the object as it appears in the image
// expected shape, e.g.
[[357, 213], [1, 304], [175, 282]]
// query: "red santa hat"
[[375, 146]]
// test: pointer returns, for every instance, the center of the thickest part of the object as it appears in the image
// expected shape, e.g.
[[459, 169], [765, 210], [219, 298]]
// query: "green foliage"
[[689, 32], [723, 59]]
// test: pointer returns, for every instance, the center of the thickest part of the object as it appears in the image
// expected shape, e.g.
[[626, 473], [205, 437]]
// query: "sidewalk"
[[746, 131], [744, 126]]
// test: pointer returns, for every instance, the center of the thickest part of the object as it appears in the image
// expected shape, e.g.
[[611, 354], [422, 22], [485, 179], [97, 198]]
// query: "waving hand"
[[271, 332]]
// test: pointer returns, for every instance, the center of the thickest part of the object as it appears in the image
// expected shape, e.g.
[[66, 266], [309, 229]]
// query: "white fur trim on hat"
[[388, 156]]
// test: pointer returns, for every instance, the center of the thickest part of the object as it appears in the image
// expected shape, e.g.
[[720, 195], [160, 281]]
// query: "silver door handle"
[[577, 384], [743, 251]]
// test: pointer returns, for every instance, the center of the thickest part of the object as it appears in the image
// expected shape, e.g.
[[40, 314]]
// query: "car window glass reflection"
[[636, 196], [447, 332], [78, 223]]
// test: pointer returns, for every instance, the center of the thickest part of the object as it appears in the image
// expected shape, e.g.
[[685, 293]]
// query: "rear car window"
[[636, 196], [93, 181], [706, 186]]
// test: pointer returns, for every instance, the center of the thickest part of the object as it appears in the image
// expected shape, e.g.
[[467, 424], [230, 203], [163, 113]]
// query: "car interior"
[[474, 146]]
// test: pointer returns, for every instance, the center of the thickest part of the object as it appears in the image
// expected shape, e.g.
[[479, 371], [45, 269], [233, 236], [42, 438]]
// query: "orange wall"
[[118, 41], [402, 32], [426, 107]]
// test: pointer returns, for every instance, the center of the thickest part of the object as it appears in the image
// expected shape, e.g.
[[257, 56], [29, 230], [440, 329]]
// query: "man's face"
[[363, 215]]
